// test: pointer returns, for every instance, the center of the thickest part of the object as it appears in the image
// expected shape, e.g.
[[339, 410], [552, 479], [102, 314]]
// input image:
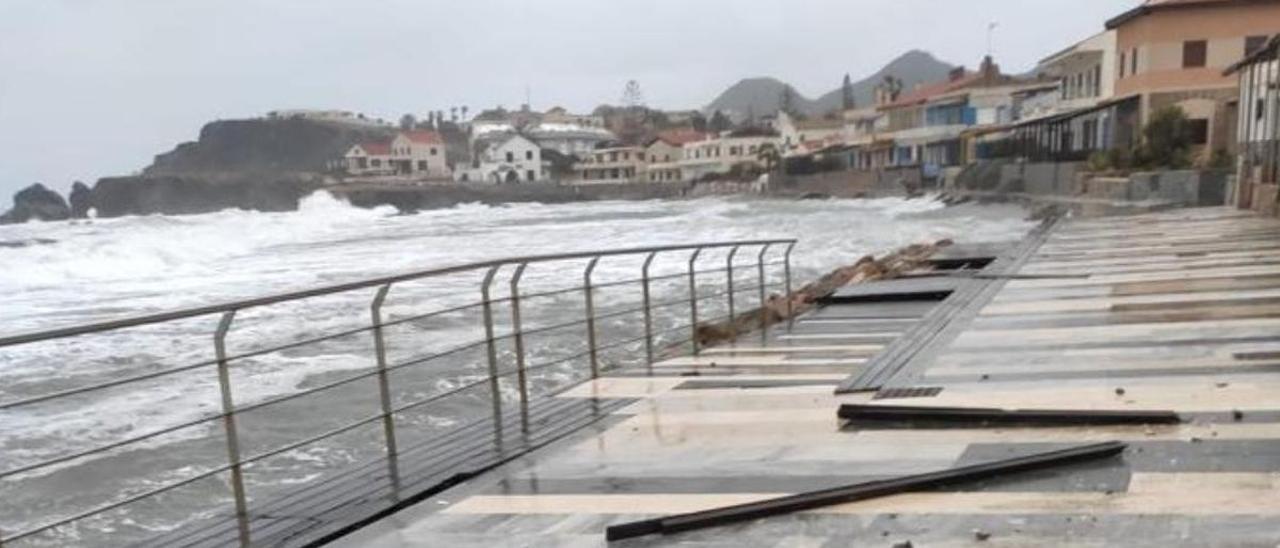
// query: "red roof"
[[423, 136], [678, 137], [376, 148], [928, 91]]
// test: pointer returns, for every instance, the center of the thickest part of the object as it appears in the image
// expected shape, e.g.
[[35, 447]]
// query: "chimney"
[[990, 70], [956, 74]]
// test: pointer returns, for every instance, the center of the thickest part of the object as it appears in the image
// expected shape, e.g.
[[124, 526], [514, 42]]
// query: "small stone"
[[1120, 391], [1222, 385], [1237, 415], [903, 544], [986, 376], [980, 535], [1196, 440]]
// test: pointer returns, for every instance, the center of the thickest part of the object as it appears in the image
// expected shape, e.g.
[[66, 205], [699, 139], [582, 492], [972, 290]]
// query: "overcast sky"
[[91, 88]]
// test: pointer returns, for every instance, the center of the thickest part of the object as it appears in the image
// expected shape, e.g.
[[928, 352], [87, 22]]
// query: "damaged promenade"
[[1154, 336]]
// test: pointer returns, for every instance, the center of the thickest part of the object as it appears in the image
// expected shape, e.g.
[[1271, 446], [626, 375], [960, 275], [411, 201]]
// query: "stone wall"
[[1182, 187], [849, 184], [1040, 178]]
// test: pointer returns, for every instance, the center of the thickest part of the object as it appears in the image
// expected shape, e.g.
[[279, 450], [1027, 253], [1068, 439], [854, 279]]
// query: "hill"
[[761, 94]]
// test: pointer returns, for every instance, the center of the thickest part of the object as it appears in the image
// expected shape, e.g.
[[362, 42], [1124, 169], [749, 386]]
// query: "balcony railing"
[[634, 304]]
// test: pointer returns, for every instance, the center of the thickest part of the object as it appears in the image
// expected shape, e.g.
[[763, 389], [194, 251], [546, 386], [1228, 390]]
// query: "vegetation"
[[769, 155], [1167, 140], [847, 99]]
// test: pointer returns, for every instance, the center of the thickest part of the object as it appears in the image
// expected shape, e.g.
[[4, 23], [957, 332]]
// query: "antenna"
[[991, 30]]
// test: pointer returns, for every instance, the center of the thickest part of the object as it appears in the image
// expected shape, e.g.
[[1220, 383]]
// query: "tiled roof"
[[1151, 5], [678, 137], [423, 136], [376, 148]]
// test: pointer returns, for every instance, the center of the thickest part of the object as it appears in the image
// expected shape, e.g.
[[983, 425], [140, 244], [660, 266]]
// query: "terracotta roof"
[[819, 123], [376, 148], [678, 137], [928, 91], [1153, 5], [423, 136]]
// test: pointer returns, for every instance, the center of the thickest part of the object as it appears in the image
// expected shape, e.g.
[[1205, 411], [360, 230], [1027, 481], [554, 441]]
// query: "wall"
[[1183, 188], [1040, 178], [849, 184]]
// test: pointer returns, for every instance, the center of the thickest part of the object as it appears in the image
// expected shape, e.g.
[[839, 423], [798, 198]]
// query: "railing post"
[[648, 314], [384, 390], [517, 331], [492, 347], [728, 270], [693, 299], [229, 426], [591, 316], [786, 264], [764, 305]]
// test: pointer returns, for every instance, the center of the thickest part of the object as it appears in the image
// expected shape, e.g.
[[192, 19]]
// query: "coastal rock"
[[81, 200], [192, 194], [36, 203], [229, 147]]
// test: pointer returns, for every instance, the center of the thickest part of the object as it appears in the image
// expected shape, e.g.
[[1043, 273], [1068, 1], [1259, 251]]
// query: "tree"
[[1167, 139], [632, 97], [699, 122], [769, 155], [408, 122], [719, 122], [890, 87], [787, 101], [847, 100], [453, 114], [464, 113]]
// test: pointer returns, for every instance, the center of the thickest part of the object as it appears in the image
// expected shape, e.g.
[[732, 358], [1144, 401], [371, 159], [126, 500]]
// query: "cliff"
[[36, 203], [188, 194]]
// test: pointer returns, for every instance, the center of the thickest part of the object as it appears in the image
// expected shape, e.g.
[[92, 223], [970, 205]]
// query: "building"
[[664, 153], [568, 138], [807, 136], [333, 116], [1175, 52], [559, 115], [615, 164], [720, 154], [513, 159], [1258, 128], [420, 152], [371, 158]]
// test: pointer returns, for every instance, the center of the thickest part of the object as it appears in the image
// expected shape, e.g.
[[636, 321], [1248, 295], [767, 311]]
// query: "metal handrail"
[[228, 311]]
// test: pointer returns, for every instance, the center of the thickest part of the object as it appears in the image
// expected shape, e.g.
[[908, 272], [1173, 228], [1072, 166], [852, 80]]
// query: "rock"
[[980, 535], [903, 544], [189, 194], [1237, 415], [1119, 391], [36, 203], [81, 200]]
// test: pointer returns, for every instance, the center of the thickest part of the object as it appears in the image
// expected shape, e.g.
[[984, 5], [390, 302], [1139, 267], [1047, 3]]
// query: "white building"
[[569, 139], [373, 158], [514, 159], [1086, 74], [420, 152], [806, 136], [720, 154]]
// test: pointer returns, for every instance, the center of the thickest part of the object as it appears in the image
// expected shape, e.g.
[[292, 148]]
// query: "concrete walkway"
[[1180, 311]]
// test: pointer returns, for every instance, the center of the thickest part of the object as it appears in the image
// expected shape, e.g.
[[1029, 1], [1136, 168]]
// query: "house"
[[612, 164], [513, 159], [370, 158], [720, 154], [1175, 52], [570, 138], [664, 153], [559, 115], [806, 136], [420, 152], [1258, 129]]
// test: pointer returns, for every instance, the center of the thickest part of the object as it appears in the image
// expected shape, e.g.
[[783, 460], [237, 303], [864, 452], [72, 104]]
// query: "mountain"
[[761, 94]]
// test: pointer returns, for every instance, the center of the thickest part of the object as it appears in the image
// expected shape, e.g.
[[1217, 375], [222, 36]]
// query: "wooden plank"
[[977, 417]]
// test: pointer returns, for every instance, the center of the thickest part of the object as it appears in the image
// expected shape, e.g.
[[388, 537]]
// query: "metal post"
[[229, 426], [648, 314], [764, 306], [492, 347], [786, 262], [591, 316], [693, 300], [517, 332], [728, 270], [384, 390]]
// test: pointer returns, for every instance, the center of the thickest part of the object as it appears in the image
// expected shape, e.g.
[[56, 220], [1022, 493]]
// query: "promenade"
[[1175, 311]]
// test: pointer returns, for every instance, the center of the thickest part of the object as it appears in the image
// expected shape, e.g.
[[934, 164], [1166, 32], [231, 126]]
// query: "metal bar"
[[786, 261], [728, 271], [764, 305], [229, 426], [969, 417], [517, 331], [693, 300], [219, 308], [384, 389], [648, 313], [861, 491], [591, 316], [492, 348]]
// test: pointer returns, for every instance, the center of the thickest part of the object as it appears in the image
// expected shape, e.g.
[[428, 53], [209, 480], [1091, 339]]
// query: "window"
[[1259, 110], [434, 151], [422, 165], [528, 154], [376, 162], [613, 156], [1097, 81], [1199, 131], [1254, 43], [511, 157], [1122, 64], [1133, 62], [530, 175], [1194, 53]]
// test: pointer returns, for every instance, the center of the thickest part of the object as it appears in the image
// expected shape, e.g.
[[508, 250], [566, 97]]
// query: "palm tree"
[[464, 113], [768, 153], [453, 114]]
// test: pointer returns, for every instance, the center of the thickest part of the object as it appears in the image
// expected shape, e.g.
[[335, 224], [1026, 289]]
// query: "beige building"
[[421, 153], [1174, 53], [665, 152], [807, 136], [720, 154], [367, 159], [624, 164]]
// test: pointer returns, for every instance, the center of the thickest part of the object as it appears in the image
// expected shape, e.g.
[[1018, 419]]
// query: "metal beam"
[[966, 417]]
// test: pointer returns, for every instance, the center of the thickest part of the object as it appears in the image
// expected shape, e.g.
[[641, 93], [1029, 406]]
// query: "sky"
[[95, 88]]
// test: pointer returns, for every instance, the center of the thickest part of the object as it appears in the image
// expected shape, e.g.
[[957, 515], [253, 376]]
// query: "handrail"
[[597, 344], [63, 332]]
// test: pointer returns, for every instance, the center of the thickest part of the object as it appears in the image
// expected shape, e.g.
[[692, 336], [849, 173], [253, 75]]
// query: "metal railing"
[[498, 367]]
